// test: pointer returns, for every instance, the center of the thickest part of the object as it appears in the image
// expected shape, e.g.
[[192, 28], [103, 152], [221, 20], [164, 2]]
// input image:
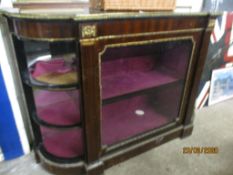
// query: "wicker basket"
[[133, 5]]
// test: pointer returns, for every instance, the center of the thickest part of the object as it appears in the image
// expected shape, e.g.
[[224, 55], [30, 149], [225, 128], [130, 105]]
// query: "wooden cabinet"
[[103, 87]]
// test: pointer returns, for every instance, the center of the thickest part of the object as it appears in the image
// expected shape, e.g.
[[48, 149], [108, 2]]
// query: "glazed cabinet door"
[[143, 84], [137, 85]]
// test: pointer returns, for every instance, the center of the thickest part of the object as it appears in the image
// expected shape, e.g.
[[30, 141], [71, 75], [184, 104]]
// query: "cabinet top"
[[83, 14]]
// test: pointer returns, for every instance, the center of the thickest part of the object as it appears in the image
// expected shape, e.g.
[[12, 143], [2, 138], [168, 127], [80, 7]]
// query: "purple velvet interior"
[[121, 121], [65, 144], [167, 100], [176, 59], [125, 71], [58, 107], [134, 68], [122, 76], [55, 65]]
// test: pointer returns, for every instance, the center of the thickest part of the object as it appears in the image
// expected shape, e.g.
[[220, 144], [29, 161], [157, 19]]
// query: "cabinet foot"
[[96, 168], [187, 131], [37, 158]]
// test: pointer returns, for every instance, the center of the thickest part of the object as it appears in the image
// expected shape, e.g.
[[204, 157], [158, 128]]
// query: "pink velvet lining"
[[56, 65], [121, 121], [121, 84], [130, 117], [134, 68], [58, 107], [65, 144]]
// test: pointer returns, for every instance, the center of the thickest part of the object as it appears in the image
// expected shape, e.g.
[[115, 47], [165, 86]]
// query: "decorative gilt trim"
[[209, 29], [144, 34], [184, 94], [139, 43], [114, 36], [88, 31], [152, 33], [95, 165], [88, 42], [44, 39], [187, 82], [135, 15], [87, 16], [211, 23]]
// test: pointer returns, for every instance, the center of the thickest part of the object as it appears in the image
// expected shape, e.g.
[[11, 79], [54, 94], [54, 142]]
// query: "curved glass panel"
[[52, 63]]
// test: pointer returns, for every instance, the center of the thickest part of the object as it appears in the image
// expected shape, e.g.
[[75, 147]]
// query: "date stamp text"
[[200, 150]]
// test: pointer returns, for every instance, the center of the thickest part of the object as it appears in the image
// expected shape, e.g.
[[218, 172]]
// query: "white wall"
[[6, 55], [1, 155], [6, 4]]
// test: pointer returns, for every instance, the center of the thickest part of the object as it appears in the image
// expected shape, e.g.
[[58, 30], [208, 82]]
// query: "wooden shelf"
[[39, 85], [119, 85], [141, 92]]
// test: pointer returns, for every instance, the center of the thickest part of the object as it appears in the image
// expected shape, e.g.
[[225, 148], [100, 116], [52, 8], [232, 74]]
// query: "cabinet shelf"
[[134, 82], [141, 92], [138, 114], [135, 119], [46, 71], [40, 85]]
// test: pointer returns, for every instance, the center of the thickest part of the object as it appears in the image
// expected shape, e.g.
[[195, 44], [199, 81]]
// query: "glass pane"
[[58, 107], [52, 63], [142, 87], [64, 144]]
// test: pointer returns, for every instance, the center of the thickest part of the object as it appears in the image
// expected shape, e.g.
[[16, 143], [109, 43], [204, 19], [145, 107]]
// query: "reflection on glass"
[[142, 87], [58, 107], [64, 144], [53, 63], [57, 70]]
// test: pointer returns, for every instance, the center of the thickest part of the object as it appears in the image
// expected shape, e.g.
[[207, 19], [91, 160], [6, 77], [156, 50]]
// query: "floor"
[[213, 128]]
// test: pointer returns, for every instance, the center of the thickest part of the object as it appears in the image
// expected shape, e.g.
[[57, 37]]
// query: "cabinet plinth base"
[[96, 168], [112, 158], [187, 131]]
